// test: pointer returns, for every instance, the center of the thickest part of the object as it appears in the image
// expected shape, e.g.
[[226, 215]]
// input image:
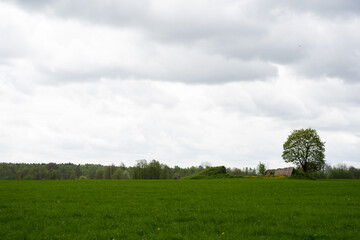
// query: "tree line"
[[141, 170], [340, 172], [53, 171]]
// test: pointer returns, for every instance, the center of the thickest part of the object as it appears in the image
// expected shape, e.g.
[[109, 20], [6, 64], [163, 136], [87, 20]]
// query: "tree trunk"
[[304, 167]]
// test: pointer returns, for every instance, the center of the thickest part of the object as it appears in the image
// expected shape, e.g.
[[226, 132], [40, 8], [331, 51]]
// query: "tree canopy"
[[305, 149], [261, 168]]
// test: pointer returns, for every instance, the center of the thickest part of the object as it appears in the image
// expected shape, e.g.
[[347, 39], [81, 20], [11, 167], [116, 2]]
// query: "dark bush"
[[300, 174], [337, 173]]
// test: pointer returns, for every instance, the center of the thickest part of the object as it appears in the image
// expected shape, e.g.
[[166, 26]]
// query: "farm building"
[[280, 171]]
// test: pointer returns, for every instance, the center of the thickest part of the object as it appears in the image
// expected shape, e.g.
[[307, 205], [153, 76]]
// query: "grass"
[[240, 208]]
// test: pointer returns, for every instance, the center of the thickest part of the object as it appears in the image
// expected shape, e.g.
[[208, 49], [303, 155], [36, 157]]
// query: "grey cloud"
[[107, 11], [327, 8], [281, 32], [192, 72], [337, 63], [218, 71], [116, 12]]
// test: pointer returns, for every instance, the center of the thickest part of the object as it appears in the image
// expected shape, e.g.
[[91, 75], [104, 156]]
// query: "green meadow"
[[241, 208]]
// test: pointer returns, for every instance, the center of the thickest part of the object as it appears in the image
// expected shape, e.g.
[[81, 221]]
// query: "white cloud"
[[177, 82]]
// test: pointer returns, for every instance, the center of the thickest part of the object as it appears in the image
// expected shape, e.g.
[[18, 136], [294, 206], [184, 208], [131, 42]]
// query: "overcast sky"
[[182, 82]]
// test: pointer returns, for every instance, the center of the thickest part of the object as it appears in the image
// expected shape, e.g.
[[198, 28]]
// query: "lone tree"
[[261, 168], [305, 149]]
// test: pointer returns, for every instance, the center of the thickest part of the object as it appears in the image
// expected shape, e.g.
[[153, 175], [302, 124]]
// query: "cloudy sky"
[[182, 82]]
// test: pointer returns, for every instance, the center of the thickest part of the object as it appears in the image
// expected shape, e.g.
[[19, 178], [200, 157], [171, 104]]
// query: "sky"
[[220, 82]]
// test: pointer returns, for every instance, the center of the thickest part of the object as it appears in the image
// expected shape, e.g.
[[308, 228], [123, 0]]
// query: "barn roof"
[[280, 171]]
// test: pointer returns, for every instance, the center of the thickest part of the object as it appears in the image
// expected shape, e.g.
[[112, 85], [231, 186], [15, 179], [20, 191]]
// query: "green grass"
[[242, 208]]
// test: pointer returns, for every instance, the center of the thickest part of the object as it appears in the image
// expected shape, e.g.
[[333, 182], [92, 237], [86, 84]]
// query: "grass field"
[[184, 209]]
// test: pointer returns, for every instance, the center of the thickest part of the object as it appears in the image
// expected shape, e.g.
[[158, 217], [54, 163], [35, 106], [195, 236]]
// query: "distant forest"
[[141, 170]]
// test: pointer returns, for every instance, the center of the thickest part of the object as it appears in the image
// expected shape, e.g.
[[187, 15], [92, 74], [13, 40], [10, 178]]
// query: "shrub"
[[337, 173], [319, 175], [299, 174], [211, 172]]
